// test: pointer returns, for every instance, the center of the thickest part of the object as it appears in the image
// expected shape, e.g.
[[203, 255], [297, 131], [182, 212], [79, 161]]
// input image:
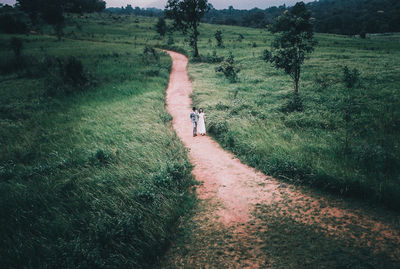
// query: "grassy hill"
[[92, 174], [334, 139]]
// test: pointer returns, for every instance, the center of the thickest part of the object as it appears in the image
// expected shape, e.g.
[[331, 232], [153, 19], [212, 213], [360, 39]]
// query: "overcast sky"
[[218, 4]]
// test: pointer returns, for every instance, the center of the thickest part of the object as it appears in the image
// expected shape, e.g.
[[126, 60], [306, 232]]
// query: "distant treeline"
[[148, 12], [348, 17]]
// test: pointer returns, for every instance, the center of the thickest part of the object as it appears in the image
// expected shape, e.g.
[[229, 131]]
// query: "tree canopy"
[[52, 11], [294, 40], [187, 15]]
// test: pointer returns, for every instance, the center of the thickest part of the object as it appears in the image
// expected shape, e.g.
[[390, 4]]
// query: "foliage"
[[86, 181], [218, 37], [161, 27], [294, 42], [11, 24], [149, 53], [350, 106], [255, 119], [16, 45], [186, 15], [52, 12], [229, 68]]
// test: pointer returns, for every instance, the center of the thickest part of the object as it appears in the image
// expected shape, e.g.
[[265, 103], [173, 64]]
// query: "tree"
[[52, 11], [186, 15], [161, 27], [294, 41], [218, 37]]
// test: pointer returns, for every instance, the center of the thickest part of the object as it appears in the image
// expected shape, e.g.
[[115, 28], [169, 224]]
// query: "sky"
[[218, 4]]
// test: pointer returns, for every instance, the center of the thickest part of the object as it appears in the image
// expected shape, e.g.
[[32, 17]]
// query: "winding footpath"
[[236, 203]]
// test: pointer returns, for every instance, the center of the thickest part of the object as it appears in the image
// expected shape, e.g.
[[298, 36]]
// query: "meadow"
[[335, 139], [92, 173]]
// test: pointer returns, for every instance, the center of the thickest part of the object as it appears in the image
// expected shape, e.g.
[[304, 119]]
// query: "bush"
[[294, 104], [229, 68], [66, 76], [218, 37], [208, 59], [16, 45], [150, 55]]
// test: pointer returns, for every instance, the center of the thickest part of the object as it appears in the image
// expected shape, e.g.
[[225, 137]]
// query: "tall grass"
[[304, 140], [95, 178]]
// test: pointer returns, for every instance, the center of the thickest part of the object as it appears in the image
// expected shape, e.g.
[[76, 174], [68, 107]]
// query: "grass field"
[[92, 176], [345, 141]]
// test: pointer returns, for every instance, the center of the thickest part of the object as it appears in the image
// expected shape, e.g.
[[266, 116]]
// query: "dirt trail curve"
[[230, 227]]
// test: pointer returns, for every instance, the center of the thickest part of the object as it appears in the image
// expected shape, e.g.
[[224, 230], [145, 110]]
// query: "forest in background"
[[346, 17]]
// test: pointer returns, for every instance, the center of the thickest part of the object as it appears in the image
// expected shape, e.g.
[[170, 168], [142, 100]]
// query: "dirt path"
[[248, 220]]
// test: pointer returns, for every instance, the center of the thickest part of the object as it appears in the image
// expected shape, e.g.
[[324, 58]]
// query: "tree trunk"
[[195, 36], [296, 80], [196, 50]]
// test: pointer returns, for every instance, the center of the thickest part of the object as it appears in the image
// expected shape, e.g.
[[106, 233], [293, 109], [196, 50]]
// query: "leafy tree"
[[218, 37], [161, 27], [186, 15], [52, 11], [294, 41]]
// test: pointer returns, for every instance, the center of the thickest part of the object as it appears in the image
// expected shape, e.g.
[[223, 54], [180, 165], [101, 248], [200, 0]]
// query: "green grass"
[[97, 178], [308, 147]]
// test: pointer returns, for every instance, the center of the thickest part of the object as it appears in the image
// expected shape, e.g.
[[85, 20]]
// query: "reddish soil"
[[230, 193]]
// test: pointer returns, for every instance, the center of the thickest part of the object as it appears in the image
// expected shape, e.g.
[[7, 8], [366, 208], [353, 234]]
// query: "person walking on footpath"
[[194, 117], [201, 122]]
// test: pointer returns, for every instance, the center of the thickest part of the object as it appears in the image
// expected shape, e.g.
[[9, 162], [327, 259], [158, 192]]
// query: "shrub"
[[16, 45], [229, 68], [149, 53], [208, 59], [161, 27], [104, 157], [65, 76], [170, 40], [293, 104], [218, 37], [72, 72]]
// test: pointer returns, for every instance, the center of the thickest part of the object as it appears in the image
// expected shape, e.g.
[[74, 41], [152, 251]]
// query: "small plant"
[[240, 38], [72, 72], [229, 68], [16, 45], [150, 53], [294, 104], [350, 104], [218, 37], [104, 157], [322, 80], [170, 40], [350, 77], [266, 55], [161, 27]]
